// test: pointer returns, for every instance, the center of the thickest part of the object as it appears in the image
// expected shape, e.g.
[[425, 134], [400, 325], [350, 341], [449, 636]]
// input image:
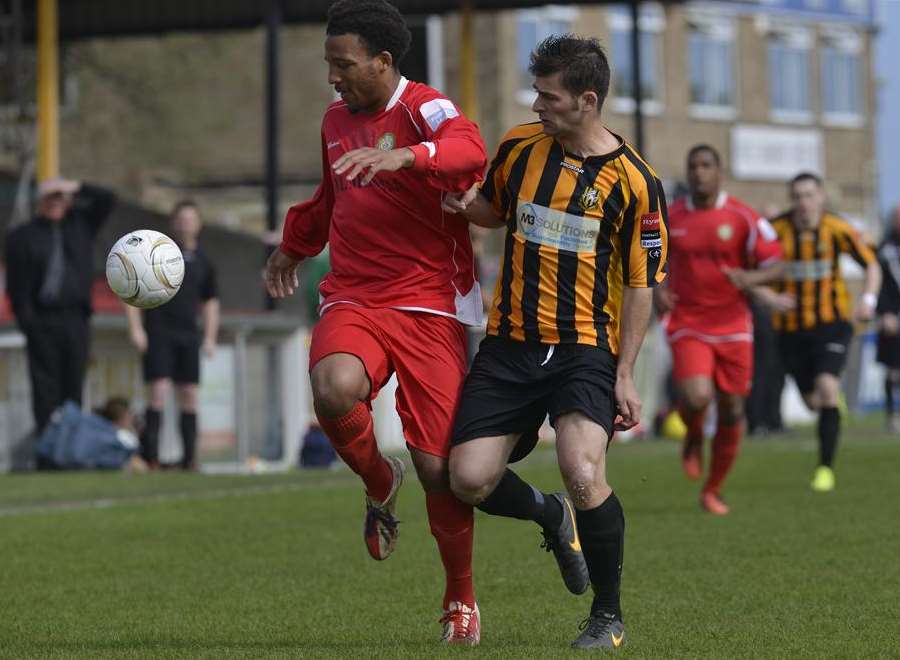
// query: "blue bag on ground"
[[76, 440], [317, 450]]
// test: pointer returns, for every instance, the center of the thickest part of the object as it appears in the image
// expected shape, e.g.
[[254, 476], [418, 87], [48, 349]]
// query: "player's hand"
[[664, 299], [889, 324], [777, 302], [281, 274], [783, 302], [209, 347], [740, 278], [628, 402], [139, 340], [459, 202], [865, 307], [372, 161]]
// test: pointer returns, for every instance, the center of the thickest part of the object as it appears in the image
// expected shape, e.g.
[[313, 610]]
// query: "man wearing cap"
[[49, 272]]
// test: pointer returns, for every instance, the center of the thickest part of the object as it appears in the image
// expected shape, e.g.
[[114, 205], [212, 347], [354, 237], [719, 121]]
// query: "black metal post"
[[274, 20], [273, 443], [636, 75]]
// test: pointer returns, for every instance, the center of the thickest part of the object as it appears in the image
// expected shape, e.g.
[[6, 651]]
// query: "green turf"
[[175, 566]]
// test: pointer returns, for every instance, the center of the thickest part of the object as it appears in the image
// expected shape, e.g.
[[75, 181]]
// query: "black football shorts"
[[512, 386], [820, 350]]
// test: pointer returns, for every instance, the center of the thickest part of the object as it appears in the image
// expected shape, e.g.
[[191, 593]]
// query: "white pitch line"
[[161, 498]]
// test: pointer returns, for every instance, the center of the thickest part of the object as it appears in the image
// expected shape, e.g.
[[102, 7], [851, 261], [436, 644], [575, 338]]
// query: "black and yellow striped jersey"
[[577, 231], [813, 271]]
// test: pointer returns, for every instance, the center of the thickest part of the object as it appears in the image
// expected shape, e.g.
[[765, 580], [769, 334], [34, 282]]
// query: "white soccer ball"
[[145, 268]]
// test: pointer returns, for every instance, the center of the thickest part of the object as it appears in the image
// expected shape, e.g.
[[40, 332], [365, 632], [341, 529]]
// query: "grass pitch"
[[186, 566]]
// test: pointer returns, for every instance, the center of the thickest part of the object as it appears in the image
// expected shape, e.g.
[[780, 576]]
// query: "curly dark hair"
[[581, 61], [378, 24]]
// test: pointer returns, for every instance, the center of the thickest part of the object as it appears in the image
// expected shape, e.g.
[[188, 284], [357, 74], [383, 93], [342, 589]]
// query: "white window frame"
[[800, 37], [652, 20], [540, 16], [723, 28], [850, 42]]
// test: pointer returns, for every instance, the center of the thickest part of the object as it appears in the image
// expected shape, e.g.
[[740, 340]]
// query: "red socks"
[[452, 525], [353, 437], [724, 451], [452, 522]]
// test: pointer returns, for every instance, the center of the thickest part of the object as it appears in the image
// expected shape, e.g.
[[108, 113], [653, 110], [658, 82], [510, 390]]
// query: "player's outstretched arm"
[[473, 207], [865, 309], [744, 279], [637, 304], [369, 162], [777, 302], [281, 274]]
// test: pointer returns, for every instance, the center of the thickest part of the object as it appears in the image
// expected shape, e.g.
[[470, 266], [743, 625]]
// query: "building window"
[[711, 65], [855, 6], [533, 26], [842, 89], [651, 24], [789, 75]]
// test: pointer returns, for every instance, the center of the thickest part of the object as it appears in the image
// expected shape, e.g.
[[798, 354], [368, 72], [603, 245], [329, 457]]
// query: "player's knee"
[[471, 486], [431, 471], [586, 485], [335, 391], [731, 411], [159, 390], [697, 400]]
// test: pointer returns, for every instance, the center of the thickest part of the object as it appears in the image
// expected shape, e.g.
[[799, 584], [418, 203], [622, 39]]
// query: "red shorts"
[[729, 364], [426, 351]]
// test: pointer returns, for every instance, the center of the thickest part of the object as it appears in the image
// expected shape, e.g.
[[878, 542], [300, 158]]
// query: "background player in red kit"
[[401, 285], [719, 248]]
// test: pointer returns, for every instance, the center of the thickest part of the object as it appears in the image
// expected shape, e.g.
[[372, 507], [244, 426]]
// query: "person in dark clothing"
[[50, 271], [888, 311], [170, 339], [764, 402]]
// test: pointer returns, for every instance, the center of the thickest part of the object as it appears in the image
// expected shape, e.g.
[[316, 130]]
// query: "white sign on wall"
[[769, 153]]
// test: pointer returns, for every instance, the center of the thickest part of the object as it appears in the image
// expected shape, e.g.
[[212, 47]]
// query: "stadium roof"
[[82, 19]]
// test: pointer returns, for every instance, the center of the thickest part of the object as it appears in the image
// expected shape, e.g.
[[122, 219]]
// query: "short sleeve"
[[644, 233], [851, 243], [766, 249]]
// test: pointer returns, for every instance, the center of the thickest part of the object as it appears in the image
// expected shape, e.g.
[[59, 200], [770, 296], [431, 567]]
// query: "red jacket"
[[391, 245]]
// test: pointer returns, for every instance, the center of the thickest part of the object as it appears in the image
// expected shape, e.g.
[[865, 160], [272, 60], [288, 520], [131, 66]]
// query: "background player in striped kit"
[[815, 334]]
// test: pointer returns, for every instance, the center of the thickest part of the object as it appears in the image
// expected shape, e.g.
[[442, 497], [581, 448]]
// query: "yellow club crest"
[[386, 142], [589, 198]]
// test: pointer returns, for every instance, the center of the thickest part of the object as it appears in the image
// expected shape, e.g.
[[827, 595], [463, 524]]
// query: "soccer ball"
[[145, 268]]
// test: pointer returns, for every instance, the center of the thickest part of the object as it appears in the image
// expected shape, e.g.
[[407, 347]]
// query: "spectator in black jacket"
[[49, 264], [888, 311]]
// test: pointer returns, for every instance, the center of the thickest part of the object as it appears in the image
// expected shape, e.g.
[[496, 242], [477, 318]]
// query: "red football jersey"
[[703, 242], [391, 245]]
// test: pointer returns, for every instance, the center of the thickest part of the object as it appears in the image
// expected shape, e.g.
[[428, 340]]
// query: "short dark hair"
[[711, 150], [181, 205], [378, 24], [114, 408], [581, 61], [807, 176]]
